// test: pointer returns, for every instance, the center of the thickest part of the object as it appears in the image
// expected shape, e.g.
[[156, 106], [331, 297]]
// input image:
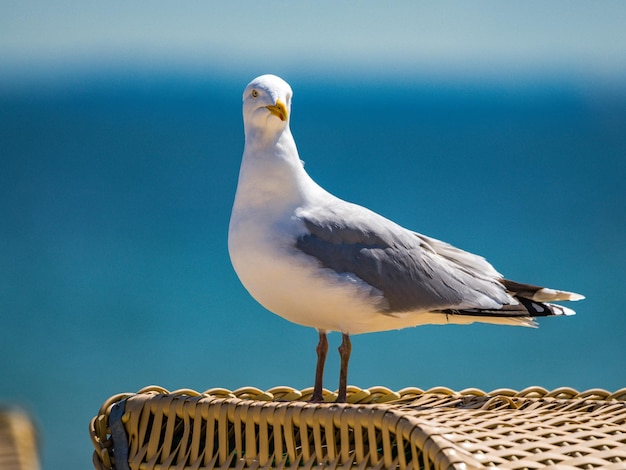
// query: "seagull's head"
[[267, 104]]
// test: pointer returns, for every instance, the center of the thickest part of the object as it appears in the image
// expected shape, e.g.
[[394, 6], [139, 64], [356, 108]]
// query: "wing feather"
[[414, 272]]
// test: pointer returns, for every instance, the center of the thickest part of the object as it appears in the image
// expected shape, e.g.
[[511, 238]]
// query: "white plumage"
[[322, 262]]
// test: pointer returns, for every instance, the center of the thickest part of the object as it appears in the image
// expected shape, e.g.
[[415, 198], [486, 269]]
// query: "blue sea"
[[115, 196]]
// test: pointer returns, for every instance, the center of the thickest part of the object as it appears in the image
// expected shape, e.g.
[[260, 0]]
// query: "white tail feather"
[[560, 310]]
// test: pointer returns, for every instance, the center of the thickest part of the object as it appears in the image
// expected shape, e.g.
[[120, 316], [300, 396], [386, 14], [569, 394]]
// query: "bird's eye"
[[254, 93]]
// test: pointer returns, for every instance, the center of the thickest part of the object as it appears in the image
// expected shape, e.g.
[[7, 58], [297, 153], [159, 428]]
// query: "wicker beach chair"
[[410, 429], [18, 441]]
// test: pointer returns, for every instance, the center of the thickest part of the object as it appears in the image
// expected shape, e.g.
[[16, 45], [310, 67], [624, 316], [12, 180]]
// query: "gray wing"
[[414, 272]]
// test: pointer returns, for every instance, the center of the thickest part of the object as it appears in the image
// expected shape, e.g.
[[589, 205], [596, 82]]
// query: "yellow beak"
[[279, 110]]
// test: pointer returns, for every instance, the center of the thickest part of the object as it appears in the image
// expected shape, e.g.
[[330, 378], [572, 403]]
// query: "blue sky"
[[486, 37]]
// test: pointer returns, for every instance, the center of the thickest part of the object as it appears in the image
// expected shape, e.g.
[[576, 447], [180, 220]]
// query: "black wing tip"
[[538, 293], [525, 309]]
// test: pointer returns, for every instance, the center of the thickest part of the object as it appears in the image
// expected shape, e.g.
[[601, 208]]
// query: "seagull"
[[319, 261]]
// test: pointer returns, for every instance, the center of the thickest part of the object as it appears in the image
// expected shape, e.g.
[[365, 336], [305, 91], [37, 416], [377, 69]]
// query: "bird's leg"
[[344, 352], [322, 349]]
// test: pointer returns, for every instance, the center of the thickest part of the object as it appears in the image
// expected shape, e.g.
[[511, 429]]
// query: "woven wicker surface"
[[18, 441], [379, 428]]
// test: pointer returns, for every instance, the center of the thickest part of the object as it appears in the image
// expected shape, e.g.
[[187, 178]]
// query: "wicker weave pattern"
[[437, 429]]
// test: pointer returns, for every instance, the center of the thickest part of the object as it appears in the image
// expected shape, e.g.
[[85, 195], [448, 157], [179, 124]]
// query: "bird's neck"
[[271, 172]]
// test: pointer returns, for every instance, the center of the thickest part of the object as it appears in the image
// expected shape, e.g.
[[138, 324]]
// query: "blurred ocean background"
[[498, 128]]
